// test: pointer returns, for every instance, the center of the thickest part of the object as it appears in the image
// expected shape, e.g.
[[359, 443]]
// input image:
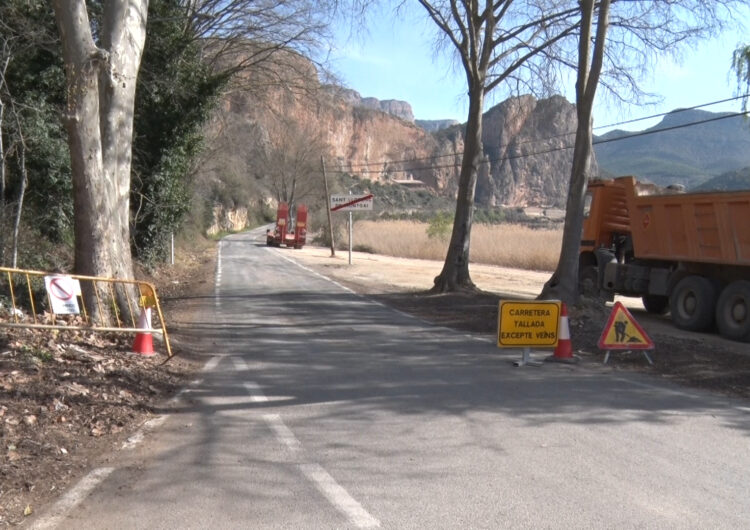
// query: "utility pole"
[[328, 206]]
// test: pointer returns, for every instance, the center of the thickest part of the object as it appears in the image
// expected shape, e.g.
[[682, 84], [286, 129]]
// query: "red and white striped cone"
[[144, 342], [564, 348]]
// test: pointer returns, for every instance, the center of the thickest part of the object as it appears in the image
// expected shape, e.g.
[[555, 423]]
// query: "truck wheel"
[[588, 280], [692, 303], [656, 304], [733, 311]]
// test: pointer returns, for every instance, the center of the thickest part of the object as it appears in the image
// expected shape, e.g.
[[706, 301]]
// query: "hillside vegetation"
[[688, 154], [730, 181]]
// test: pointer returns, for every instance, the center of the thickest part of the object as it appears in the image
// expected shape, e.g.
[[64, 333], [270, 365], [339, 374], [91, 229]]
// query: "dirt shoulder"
[[68, 400]]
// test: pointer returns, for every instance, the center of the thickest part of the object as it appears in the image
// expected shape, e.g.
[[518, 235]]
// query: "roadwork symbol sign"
[[622, 332], [62, 291], [528, 323]]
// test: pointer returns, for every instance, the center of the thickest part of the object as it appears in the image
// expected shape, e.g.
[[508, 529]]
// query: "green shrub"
[[440, 226]]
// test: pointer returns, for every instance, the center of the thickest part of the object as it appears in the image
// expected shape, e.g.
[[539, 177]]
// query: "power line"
[[566, 147], [676, 111], [537, 140]]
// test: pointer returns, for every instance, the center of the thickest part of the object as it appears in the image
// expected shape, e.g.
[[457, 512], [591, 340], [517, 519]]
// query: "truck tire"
[[588, 281], [692, 303], [733, 311], [656, 304]]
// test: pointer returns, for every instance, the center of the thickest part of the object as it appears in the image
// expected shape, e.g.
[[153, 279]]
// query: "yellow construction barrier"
[[67, 307]]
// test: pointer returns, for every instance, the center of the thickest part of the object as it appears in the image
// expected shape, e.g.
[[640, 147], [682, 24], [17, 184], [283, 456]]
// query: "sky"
[[393, 58]]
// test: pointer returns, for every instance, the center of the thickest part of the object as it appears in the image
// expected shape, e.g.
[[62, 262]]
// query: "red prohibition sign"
[[58, 291]]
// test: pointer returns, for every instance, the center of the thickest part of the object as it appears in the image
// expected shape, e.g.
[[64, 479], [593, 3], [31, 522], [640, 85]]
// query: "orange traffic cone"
[[564, 348], [144, 343]]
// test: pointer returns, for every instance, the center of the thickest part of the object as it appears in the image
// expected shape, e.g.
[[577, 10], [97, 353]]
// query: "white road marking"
[[138, 437], [283, 433], [71, 499], [315, 273], [364, 297], [212, 363], [217, 282], [256, 394], [133, 441], [325, 483], [239, 364], [339, 497]]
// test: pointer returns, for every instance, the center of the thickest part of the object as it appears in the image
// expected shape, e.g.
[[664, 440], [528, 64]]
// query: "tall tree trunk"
[[455, 274], [123, 36], [93, 197], [563, 284], [19, 207], [101, 84], [2, 164], [2, 185]]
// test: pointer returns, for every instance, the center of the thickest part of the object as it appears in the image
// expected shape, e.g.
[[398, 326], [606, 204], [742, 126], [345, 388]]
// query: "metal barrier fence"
[[61, 296]]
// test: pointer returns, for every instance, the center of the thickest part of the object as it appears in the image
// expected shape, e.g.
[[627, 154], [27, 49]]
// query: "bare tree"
[[5, 58], [265, 37], [289, 161], [101, 79], [590, 60], [626, 39], [16, 148], [21, 146], [496, 42]]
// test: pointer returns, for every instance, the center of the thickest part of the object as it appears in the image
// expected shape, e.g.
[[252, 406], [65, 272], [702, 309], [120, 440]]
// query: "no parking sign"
[[63, 292]]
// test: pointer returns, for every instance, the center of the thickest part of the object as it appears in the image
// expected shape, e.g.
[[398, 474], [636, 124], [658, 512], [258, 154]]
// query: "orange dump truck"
[[289, 232], [686, 253]]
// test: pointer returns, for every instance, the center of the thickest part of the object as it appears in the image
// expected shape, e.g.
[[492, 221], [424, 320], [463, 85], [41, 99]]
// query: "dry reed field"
[[507, 245]]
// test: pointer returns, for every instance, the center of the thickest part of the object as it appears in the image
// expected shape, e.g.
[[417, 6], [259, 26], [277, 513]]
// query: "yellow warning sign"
[[622, 332], [528, 323]]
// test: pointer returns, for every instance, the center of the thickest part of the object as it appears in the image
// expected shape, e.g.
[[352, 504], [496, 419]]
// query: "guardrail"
[[60, 297]]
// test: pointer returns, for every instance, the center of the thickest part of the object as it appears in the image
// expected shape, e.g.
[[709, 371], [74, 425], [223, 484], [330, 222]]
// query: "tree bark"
[[92, 196], [19, 207], [101, 82], [455, 274], [563, 284], [2, 182], [99, 120], [123, 35]]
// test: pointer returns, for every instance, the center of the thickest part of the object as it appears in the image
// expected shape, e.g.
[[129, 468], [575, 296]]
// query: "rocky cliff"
[[394, 107], [435, 125], [525, 141], [528, 145]]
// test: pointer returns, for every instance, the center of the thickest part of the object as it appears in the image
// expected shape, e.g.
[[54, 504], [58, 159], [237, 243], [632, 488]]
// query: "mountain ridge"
[[692, 147]]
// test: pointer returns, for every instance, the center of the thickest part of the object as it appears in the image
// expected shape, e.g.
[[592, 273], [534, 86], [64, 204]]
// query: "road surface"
[[320, 409]]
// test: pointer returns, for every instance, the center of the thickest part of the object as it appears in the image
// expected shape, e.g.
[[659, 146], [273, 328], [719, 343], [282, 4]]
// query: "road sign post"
[[350, 203]]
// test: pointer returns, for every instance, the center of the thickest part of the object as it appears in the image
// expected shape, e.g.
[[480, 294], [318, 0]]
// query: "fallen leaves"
[[63, 397]]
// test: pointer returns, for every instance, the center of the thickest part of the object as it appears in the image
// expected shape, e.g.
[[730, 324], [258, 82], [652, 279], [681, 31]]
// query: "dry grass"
[[508, 245]]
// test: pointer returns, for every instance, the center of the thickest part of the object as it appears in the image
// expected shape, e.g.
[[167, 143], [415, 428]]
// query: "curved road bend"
[[320, 409]]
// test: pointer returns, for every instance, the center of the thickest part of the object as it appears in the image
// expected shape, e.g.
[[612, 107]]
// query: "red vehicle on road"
[[286, 234]]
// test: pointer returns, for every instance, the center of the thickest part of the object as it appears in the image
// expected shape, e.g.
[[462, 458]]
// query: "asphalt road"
[[320, 409]]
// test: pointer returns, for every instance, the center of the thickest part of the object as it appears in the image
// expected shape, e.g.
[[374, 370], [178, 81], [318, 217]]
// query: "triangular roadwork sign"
[[622, 332]]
